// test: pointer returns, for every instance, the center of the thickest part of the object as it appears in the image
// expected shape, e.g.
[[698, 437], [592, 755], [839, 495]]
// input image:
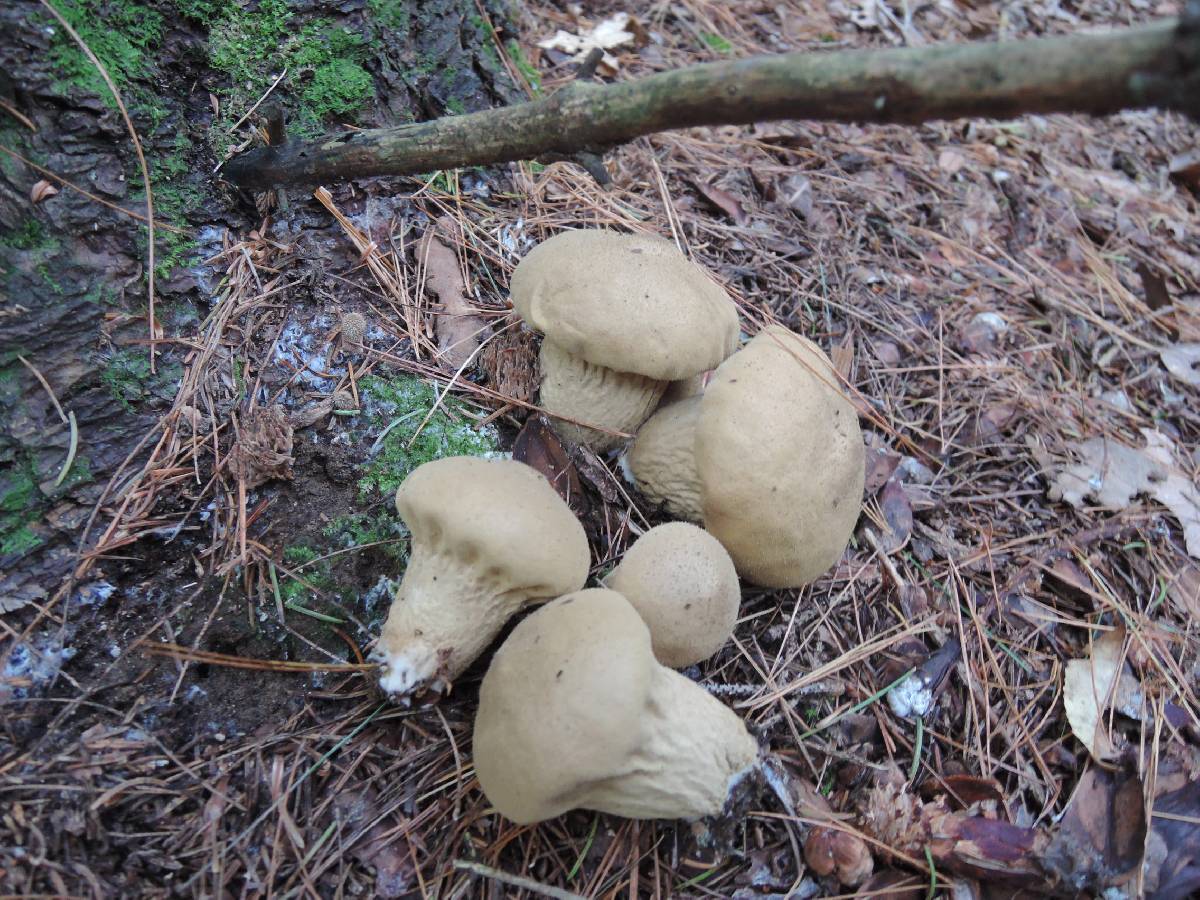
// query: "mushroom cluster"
[[623, 315], [769, 458], [581, 706]]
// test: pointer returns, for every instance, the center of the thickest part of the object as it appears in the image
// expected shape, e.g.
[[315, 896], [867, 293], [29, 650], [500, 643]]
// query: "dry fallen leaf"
[[951, 161], [796, 192], [457, 323], [723, 200], [1087, 692], [1186, 168], [1113, 474], [42, 190], [1183, 361], [897, 513], [538, 446], [1184, 592], [616, 30], [1101, 834]]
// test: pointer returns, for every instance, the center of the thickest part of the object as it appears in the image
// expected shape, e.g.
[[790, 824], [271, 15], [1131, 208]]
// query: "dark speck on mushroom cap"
[[633, 303]]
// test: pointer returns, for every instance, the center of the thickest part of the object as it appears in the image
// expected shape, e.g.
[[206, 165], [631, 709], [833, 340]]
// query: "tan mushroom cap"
[[684, 586], [630, 302], [576, 713], [781, 460], [488, 536]]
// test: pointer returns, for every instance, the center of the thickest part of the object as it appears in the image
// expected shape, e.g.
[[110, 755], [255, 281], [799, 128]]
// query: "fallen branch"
[[1151, 66]]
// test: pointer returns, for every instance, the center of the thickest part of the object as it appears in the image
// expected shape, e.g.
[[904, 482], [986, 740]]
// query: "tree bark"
[[1150, 66]]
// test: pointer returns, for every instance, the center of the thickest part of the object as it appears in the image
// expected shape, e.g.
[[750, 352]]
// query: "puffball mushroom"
[[575, 713], [488, 537], [683, 584], [770, 459], [623, 315]]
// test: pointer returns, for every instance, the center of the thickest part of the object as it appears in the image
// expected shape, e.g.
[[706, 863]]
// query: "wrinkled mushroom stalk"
[[424, 640], [617, 401], [661, 463], [678, 770]]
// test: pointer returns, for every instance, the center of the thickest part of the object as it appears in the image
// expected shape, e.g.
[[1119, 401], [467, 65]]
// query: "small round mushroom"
[[488, 537], [623, 315], [575, 713], [776, 462], [684, 586]]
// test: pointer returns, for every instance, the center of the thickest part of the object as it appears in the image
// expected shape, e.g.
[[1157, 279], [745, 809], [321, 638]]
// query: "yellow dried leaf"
[[1088, 688]]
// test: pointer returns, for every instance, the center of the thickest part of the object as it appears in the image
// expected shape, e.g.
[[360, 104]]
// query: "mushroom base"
[[442, 618], [662, 463], [574, 388], [694, 751]]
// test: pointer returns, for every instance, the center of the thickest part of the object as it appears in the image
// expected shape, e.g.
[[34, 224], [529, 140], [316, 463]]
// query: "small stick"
[[517, 881]]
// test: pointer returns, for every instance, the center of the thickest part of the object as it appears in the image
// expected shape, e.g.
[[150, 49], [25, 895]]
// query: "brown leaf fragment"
[[967, 790], [1154, 287], [594, 472], [1100, 836], [1172, 867], [1185, 168], [1088, 689], [1183, 361], [42, 190], [887, 352], [1113, 474], [795, 192], [897, 513], [842, 357], [1184, 591], [983, 333], [722, 200], [881, 463], [456, 322], [1068, 580], [991, 422], [539, 447], [951, 161]]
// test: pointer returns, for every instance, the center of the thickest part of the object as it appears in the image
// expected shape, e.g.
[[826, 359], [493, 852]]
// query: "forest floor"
[[1016, 306]]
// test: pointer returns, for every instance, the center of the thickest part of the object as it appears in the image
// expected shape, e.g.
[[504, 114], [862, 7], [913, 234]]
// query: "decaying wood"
[[1151, 66]]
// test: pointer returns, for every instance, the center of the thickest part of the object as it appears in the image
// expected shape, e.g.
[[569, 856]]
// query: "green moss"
[[339, 86], [379, 526], [716, 42], [401, 405], [20, 540], [128, 377], [251, 46], [526, 68], [455, 107], [393, 15], [319, 575], [203, 11], [29, 235], [20, 507], [124, 35]]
